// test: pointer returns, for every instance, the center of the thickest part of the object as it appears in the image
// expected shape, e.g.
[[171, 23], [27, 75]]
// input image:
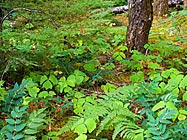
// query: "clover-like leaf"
[[90, 124]]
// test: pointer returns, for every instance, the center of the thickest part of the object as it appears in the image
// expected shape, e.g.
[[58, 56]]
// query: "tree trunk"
[[160, 7], [185, 4], [139, 23]]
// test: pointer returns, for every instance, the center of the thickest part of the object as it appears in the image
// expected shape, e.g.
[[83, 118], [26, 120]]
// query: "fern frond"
[[125, 128], [106, 121], [67, 127]]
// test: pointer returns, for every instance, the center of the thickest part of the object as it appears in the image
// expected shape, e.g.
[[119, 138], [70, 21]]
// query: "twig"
[[91, 91], [29, 10], [117, 84]]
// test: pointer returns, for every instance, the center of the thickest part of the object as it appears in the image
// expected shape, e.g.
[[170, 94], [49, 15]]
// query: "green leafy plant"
[[15, 97], [19, 123], [157, 128]]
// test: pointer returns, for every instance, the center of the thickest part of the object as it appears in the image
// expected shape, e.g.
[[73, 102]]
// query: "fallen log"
[[122, 9]]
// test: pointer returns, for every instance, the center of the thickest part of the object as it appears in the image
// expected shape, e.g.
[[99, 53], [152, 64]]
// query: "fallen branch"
[[123, 9], [29, 10]]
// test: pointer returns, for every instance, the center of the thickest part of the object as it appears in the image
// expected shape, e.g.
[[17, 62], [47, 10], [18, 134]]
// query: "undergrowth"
[[71, 64]]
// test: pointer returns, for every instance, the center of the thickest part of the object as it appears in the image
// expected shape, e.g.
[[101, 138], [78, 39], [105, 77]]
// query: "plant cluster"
[[74, 69]]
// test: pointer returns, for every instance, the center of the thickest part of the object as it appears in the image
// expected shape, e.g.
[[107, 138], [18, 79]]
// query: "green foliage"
[[110, 111], [15, 126], [73, 49], [157, 128], [19, 123], [15, 97], [178, 131], [48, 85], [137, 77], [2, 91], [35, 123]]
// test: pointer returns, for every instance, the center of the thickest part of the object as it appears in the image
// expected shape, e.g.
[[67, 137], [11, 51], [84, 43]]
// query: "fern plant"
[[16, 124], [35, 123], [21, 124], [158, 128], [119, 117], [15, 97], [179, 130], [109, 111]]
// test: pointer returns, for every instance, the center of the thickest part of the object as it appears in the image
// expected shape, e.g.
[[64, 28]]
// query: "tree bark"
[[160, 7], [139, 23], [185, 4]]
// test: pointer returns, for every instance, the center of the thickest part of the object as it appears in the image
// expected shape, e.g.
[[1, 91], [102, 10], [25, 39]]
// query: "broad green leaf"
[[90, 124], [78, 95], [10, 128], [61, 86], [119, 56], [18, 136], [18, 121], [91, 99], [78, 110], [31, 131], [139, 137], [43, 79], [9, 135], [62, 79], [165, 121], [80, 129], [81, 137], [81, 101], [67, 89], [108, 87], [183, 83], [159, 105], [47, 85], [52, 93], [181, 117], [35, 125], [52, 133], [33, 91], [183, 111], [20, 127], [175, 92], [151, 119], [10, 121], [154, 130], [53, 79], [43, 94], [71, 81], [90, 67], [153, 65], [163, 128], [166, 135], [173, 82], [137, 77], [184, 97], [166, 73], [79, 80], [123, 48], [170, 105], [13, 114]]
